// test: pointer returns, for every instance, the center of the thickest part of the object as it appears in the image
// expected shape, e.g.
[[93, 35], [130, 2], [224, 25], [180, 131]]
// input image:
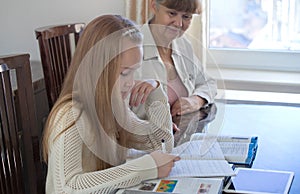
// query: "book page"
[[178, 186], [190, 185], [222, 138], [199, 150], [235, 151], [201, 168]]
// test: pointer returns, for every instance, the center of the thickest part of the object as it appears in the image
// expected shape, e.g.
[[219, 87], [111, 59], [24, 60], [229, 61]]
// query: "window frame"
[[252, 59], [276, 60]]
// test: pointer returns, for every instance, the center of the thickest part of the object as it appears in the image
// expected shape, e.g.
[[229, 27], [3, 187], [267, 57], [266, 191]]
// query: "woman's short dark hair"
[[190, 6]]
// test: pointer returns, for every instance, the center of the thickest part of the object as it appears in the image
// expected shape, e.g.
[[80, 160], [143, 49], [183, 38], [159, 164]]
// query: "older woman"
[[169, 57]]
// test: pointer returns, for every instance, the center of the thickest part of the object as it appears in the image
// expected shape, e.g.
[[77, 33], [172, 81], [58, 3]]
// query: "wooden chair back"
[[21, 167], [56, 44], [11, 175]]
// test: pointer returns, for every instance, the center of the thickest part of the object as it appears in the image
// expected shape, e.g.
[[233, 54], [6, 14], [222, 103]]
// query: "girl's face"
[[175, 22], [131, 60]]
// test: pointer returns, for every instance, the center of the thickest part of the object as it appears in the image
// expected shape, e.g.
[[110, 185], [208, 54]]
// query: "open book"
[[238, 150], [198, 159]]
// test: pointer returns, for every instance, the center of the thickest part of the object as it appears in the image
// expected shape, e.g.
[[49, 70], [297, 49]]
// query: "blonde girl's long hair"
[[90, 87]]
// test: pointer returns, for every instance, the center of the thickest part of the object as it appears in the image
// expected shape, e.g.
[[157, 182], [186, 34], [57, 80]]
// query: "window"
[[256, 34]]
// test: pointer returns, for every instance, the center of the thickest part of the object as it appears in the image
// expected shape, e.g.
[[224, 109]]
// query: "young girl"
[[90, 127]]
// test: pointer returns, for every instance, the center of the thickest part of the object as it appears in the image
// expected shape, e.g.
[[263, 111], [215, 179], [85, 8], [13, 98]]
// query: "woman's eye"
[[187, 17], [171, 13]]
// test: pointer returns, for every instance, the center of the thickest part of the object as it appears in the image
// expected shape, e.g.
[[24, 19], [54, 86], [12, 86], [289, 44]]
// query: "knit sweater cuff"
[[146, 166]]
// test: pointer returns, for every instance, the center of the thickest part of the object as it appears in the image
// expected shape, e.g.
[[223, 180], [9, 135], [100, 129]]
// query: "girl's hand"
[[164, 162]]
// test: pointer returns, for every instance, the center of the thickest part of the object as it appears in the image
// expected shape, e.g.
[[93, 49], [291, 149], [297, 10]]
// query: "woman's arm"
[[205, 86]]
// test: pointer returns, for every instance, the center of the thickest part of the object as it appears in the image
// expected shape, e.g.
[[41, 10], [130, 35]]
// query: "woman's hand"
[[141, 91], [185, 105], [164, 162]]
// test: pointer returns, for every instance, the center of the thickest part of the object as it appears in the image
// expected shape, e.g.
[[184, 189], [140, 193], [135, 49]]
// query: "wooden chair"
[[21, 167], [56, 44]]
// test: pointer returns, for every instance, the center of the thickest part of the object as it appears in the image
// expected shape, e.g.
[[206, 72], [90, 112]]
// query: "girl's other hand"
[[141, 91]]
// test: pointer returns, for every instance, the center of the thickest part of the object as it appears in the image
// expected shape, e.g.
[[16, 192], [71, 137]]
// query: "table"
[[277, 128], [193, 123]]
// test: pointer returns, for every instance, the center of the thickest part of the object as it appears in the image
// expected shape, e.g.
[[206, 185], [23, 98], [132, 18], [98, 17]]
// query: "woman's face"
[[130, 61], [174, 23]]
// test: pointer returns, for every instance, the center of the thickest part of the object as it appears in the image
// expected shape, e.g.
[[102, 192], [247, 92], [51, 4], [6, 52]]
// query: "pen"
[[163, 146]]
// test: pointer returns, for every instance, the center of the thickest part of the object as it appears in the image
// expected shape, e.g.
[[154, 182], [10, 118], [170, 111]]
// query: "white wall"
[[19, 18]]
